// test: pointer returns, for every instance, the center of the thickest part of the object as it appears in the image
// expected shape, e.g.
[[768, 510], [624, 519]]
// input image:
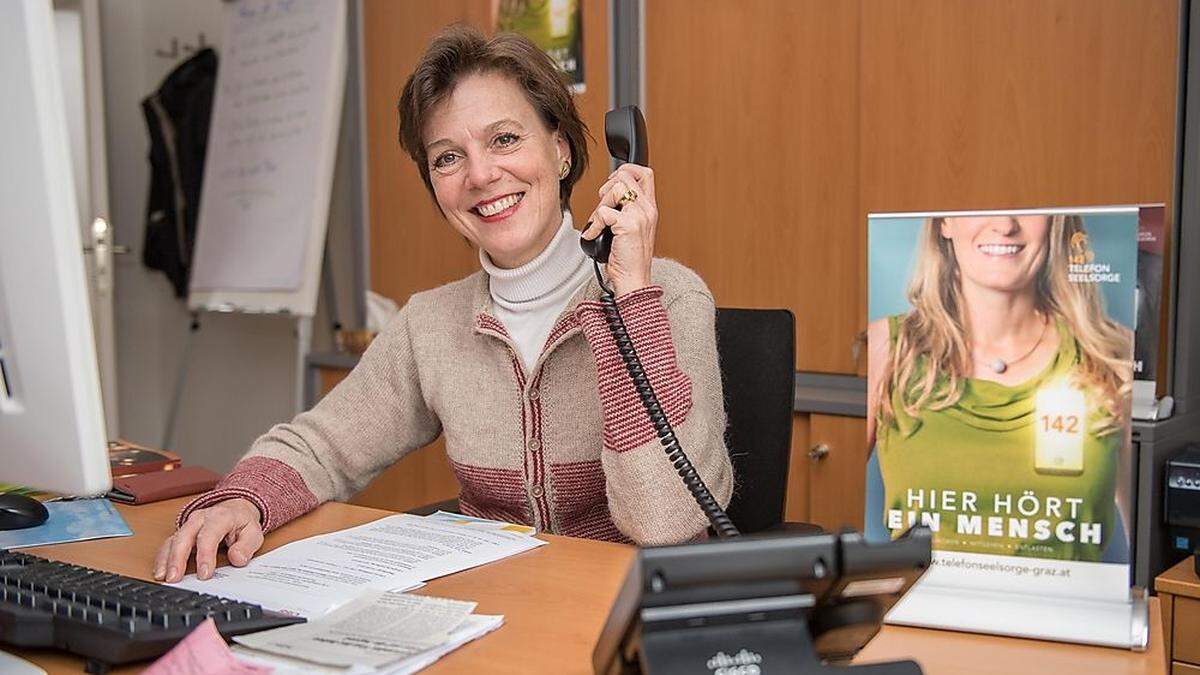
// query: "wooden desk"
[[556, 598]]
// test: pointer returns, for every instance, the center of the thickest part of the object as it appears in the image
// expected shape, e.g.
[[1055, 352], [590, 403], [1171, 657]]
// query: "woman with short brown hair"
[[514, 364]]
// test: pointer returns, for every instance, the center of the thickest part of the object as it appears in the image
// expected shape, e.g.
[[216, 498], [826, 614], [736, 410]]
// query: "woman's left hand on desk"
[[234, 521]]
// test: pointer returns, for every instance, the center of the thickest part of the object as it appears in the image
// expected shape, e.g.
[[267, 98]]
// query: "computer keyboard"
[[109, 618]]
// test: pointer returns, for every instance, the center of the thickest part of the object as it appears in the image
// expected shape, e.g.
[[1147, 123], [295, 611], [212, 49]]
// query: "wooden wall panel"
[[752, 115], [412, 247], [1021, 103]]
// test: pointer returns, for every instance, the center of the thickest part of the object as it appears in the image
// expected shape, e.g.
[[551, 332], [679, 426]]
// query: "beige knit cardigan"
[[565, 447]]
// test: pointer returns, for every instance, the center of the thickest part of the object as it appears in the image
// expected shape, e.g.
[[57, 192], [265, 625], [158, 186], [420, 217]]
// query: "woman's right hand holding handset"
[[236, 522]]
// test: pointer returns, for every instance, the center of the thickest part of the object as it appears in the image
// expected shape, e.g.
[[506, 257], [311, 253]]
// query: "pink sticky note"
[[202, 652]]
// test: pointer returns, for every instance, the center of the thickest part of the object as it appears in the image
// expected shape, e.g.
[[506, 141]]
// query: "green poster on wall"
[[554, 25]]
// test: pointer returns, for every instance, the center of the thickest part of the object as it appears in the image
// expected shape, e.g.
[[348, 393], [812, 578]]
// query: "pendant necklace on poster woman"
[[1001, 366]]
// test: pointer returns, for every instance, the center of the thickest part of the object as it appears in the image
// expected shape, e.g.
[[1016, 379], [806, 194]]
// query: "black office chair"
[[757, 348]]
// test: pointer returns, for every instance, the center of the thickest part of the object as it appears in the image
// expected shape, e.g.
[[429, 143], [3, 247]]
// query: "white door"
[[77, 24]]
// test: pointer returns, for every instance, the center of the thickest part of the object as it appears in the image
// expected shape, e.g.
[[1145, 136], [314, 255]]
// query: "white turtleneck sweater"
[[529, 298]]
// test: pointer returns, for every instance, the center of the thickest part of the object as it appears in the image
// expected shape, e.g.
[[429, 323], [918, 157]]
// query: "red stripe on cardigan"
[[581, 502], [471, 500], [565, 325], [484, 490], [274, 487], [596, 524], [516, 367], [485, 321], [578, 487], [626, 425], [469, 509], [539, 460]]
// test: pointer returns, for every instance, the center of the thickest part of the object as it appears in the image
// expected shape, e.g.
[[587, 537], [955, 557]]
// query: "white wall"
[[241, 370]]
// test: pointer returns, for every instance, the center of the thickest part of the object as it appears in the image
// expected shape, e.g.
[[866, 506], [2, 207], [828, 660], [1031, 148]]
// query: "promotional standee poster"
[[999, 377], [554, 25]]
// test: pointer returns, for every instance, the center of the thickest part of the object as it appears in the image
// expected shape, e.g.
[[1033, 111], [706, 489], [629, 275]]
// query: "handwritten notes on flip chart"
[[271, 147]]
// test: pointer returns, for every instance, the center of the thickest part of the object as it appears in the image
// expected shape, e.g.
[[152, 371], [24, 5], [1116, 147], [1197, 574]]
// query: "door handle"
[[115, 249], [102, 250], [102, 240], [818, 452]]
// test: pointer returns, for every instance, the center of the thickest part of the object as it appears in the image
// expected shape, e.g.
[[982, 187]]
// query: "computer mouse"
[[19, 511]]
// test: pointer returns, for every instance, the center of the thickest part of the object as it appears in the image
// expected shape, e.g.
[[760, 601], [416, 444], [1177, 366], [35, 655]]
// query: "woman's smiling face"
[[1002, 253], [495, 168]]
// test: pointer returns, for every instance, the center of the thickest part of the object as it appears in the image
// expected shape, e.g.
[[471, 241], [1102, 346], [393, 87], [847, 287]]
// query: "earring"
[[566, 169]]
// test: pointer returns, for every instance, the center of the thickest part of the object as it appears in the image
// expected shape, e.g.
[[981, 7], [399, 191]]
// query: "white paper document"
[[474, 627], [373, 630], [313, 576]]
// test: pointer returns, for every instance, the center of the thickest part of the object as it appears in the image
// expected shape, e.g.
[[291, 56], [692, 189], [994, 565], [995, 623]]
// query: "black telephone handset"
[[625, 133]]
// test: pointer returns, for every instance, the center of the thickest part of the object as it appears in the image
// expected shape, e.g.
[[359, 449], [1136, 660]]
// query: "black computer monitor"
[[758, 604]]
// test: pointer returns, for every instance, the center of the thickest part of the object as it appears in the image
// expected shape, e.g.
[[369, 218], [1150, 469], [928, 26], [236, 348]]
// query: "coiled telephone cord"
[[721, 523]]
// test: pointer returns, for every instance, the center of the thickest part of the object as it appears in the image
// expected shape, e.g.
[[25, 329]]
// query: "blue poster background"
[[892, 250]]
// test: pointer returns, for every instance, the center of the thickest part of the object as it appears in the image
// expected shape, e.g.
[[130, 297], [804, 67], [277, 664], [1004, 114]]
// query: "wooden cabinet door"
[[837, 460], [1186, 625]]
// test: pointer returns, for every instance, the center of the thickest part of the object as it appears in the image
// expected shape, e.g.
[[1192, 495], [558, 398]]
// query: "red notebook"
[[154, 487]]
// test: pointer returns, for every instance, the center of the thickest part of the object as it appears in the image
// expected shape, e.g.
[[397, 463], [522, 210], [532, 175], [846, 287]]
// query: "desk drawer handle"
[[817, 452]]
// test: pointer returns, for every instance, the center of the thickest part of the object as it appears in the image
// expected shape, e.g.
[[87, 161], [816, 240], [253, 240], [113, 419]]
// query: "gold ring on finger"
[[628, 198]]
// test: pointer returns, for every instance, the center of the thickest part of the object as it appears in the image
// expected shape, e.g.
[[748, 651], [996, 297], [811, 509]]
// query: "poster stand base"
[[1121, 624]]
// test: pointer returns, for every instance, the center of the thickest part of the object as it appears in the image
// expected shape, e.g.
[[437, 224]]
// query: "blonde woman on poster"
[[998, 404]]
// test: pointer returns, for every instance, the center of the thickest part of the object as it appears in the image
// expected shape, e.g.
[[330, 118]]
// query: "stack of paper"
[[348, 585], [311, 577], [379, 632]]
